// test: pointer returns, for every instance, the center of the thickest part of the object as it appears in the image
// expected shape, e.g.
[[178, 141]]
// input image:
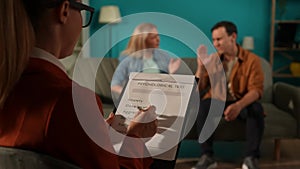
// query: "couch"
[[14, 158], [281, 101]]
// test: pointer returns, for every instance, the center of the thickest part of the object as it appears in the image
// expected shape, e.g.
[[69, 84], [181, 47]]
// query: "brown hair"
[[230, 27], [16, 43]]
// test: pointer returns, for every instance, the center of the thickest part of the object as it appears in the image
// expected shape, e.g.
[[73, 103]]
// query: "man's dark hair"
[[229, 27]]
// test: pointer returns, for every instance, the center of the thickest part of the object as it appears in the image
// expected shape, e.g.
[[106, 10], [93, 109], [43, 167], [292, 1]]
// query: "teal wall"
[[251, 16]]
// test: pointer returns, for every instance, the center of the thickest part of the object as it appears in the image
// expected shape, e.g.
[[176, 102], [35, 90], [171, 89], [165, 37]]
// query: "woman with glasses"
[[37, 111]]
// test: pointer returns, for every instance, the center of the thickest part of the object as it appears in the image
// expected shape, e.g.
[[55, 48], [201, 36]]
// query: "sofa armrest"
[[287, 98], [18, 159]]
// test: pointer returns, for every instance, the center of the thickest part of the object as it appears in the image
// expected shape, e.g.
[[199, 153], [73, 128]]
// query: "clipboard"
[[171, 95]]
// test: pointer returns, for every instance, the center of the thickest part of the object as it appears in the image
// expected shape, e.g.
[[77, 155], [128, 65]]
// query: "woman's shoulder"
[[161, 54], [122, 57]]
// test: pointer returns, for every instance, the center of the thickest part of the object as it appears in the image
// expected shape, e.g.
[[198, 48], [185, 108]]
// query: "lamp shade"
[[109, 14], [248, 43]]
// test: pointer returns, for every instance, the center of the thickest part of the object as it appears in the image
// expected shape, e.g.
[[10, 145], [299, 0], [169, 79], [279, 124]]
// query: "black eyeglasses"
[[86, 11]]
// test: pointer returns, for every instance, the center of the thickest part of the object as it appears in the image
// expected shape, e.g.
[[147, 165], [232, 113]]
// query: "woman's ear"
[[64, 11]]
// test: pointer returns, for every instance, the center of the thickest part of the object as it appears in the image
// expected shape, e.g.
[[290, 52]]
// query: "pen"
[[142, 109]]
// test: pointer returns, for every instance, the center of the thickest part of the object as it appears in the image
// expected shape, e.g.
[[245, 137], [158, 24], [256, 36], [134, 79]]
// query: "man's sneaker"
[[250, 163], [205, 162]]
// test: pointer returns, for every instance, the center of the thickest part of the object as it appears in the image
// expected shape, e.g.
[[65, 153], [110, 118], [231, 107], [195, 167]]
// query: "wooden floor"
[[290, 158]]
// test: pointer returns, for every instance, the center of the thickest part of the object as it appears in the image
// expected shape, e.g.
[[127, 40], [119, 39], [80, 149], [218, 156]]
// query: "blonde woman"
[[142, 55], [36, 99]]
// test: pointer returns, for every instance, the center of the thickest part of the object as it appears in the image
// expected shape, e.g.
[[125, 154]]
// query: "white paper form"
[[170, 95]]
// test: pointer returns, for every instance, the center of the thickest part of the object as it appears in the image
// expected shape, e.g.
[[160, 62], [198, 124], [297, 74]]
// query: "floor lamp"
[[110, 14]]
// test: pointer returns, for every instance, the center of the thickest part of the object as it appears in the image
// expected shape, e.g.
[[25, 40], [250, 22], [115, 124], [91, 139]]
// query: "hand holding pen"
[[144, 123]]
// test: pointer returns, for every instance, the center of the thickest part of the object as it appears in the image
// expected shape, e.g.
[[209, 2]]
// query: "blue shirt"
[[130, 64]]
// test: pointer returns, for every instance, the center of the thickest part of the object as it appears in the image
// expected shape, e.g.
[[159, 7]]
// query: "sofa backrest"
[[103, 71], [268, 81], [188, 66], [95, 74]]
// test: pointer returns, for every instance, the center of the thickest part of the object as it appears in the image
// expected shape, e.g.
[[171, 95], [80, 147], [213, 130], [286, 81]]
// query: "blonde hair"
[[16, 42], [137, 42]]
